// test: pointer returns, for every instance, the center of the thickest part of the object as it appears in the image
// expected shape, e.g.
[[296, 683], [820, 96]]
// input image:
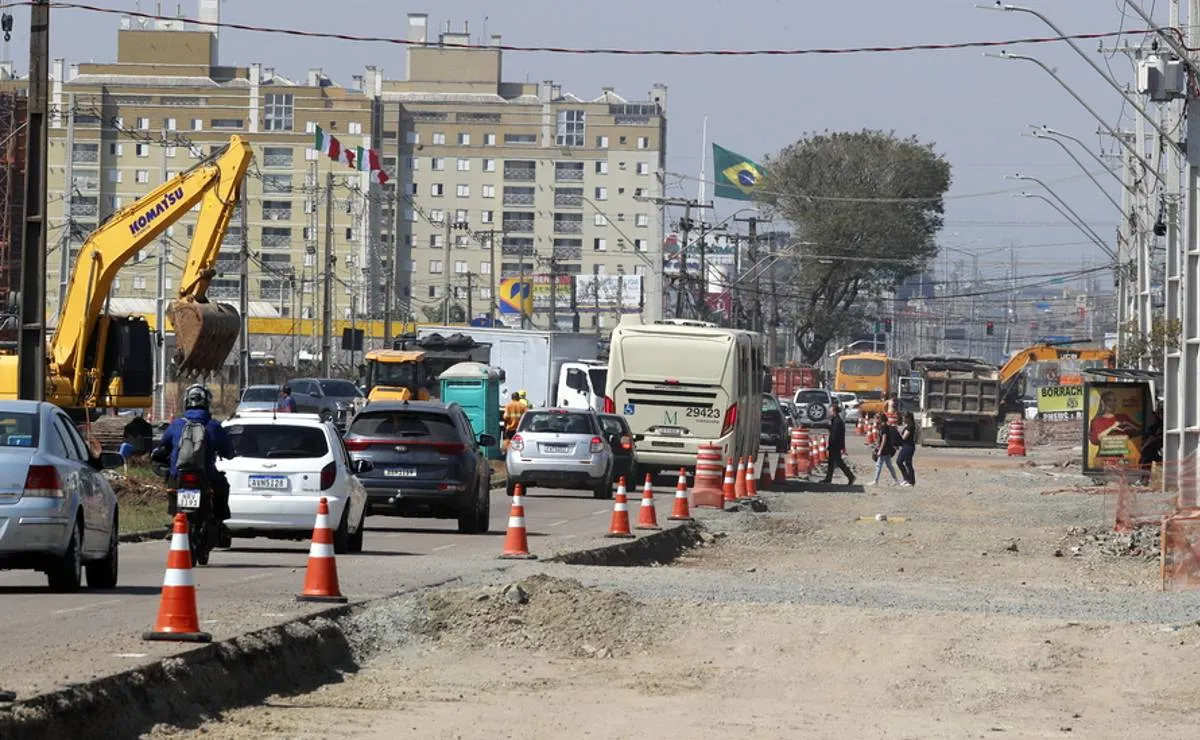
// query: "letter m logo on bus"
[[671, 417]]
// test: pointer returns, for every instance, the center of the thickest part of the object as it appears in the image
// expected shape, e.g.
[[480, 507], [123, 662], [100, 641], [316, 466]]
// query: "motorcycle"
[[191, 494]]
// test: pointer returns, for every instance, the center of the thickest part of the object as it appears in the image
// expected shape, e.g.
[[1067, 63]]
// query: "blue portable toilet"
[[476, 388]]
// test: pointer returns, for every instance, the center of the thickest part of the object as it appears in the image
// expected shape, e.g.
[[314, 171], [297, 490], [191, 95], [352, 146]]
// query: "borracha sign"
[[1060, 391], [156, 210]]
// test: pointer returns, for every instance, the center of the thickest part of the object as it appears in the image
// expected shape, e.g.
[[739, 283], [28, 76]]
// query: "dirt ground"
[[982, 606]]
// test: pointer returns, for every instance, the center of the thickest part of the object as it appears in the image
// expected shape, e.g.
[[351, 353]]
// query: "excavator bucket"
[[205, 334]]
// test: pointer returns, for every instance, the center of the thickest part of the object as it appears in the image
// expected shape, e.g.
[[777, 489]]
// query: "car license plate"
[[401, 472], [187, 499], [268, 481], [670, 431], [556, 449]]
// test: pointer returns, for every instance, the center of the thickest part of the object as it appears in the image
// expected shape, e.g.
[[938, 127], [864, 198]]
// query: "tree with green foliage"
[[871, 205], [1137, 349]]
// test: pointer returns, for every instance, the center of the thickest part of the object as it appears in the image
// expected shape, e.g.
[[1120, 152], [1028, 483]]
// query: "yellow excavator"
[[397, 375], [97, 360], [1051, 363]]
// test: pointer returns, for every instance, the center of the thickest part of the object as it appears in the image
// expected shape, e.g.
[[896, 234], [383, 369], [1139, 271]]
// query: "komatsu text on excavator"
[[97, 360]]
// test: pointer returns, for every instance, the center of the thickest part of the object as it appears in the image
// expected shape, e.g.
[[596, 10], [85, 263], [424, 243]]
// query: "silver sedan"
[[58, 513]]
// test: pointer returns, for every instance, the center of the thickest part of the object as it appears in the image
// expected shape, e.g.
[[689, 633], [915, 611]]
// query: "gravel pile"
[[136, 490], [540, 613], [1143, 542]]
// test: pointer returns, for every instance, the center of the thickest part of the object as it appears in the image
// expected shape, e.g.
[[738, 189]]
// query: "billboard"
[[1060, 402], [608, 293], [537, 294], [1116, 420]]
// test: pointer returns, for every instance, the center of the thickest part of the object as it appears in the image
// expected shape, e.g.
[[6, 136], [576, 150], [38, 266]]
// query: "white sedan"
[[849, 403], [283, 465]]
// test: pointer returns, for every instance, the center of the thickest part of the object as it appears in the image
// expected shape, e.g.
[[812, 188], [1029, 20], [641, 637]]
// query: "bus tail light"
[[610, 406], [730, 420]]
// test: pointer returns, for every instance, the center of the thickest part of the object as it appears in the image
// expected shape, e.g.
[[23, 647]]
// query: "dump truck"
[[960, 402]]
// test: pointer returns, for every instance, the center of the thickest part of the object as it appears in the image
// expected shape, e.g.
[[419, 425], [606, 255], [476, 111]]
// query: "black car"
[[774, 432], [428, 462], [335, 399], [621, 439]]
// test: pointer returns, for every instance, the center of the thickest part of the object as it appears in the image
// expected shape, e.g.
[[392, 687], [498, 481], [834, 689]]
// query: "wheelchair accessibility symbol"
[[628, 409]]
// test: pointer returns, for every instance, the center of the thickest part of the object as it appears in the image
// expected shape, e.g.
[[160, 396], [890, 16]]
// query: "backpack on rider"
[[192, 454]]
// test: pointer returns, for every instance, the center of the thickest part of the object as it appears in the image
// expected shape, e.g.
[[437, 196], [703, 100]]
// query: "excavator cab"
[[397, 375]]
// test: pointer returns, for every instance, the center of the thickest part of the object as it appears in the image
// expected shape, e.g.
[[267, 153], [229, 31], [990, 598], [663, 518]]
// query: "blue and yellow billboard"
[[514, 294]]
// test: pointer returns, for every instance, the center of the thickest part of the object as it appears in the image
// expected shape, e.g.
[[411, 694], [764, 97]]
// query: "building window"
[[518, 196], [437, 215], [520, 170], [487, 217], [643, 168], [114, 175], [488, 191], [170, 152], [464, 165], [464, 140], [601, 220], [489, 165], [568, 249], [169, 123], [437, 164], [277, 156], [462, 191], [412, 137], [412, 163], [197, 124], [462, 241], [227, 123], [277, 183], [433, 291], [568, 171], [643, 142], [520, 139], [350, 234], [601, 142], [601, 193], [602, 168], [439, 138], [518, 222], [354, 127], [437, 190], [278, 112], [599, 245], [143, 123], [568, 223], [461, 216], [639, 245], [139, 282], [85, 153], [435, 241], [641, 219], [141, 176], [485, 268], [115, 150], [276, 236], [570, 128], [640, 192], [461, 267], [412, 188], [568, 197], [435, 267], [489, 140], [143, 150]]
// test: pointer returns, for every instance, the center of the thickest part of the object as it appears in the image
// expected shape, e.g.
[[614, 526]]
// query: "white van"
[[682, 384]]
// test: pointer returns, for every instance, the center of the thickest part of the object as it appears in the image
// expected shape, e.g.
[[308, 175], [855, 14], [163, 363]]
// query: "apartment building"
[[118, 129], [500, 180]]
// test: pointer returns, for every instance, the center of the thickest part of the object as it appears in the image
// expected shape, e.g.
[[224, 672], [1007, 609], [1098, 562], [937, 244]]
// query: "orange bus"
[[872, 376]]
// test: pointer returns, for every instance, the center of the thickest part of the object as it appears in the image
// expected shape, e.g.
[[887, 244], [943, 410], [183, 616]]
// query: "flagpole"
[[703, 161]]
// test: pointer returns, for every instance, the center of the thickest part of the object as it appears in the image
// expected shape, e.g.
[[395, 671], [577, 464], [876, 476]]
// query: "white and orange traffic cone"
[[728, 492], [751, 480], [321, 578], [648, 515], [177, 618], [764, 472], [619, 525], [681, 511], [516, 540], [781, 477], [739, 483]]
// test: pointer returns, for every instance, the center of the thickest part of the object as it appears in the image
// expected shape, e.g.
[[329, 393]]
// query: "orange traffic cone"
[[321, 579], [780, 471], [751, 480], [177, 617], [1016, 438], [681, 512], [728, 492], [516, 542], [764, 473], [648, 516], [619, 526], [739, 483]]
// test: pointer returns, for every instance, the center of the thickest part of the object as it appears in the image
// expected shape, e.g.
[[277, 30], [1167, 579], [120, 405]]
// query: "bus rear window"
[[871, 368]]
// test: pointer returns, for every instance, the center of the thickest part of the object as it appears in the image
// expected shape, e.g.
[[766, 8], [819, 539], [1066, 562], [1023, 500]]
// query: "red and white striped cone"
[[619, 525], [728, 491], [681, 512], [648, 516], [516, 540], [321, 579], [177, 618]]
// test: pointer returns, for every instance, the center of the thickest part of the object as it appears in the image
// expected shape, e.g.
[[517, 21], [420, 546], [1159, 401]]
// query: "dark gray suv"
[[334, 399]]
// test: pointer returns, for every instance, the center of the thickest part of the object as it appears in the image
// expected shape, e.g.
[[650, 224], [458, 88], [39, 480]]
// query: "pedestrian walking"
[[837, 445], [885, 449], [908, 448]]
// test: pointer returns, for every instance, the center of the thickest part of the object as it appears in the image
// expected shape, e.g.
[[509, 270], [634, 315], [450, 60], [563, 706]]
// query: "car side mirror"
[[111, 460], [487, 440], [363, 466]]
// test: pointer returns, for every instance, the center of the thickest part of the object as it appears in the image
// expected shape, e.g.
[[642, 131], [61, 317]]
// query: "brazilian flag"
[[736, 177]]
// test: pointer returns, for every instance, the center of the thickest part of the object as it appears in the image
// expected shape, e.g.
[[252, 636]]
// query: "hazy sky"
[[974, 109]]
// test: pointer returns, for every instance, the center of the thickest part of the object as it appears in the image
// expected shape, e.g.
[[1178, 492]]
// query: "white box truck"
[[553, 368]]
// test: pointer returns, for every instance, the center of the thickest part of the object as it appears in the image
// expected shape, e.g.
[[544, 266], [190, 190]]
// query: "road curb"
[[143, 536], [659, 548], [297, 656]]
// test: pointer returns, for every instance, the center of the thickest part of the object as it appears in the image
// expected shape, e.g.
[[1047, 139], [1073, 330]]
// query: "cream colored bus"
[[682, 384]]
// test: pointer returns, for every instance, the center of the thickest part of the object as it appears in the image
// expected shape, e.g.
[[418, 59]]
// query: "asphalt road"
[[52, 640]]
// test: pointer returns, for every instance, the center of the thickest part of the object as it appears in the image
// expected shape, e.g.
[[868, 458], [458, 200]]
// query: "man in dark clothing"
[[197, 399], [837, 444]]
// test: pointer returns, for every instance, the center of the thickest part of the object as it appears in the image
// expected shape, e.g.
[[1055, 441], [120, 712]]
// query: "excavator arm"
[[77, 348]]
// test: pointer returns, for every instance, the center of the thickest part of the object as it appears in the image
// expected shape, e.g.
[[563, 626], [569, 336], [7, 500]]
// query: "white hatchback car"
[[284, 464]]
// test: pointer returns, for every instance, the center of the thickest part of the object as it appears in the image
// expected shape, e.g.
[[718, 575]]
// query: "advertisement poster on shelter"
[[1116, 419]]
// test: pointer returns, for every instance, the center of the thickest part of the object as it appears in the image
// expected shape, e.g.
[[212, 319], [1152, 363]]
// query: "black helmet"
[[197, 397], [286, 389]]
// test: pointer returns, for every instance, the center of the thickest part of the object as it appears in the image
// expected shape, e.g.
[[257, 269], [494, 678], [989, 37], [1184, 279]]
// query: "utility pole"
[[64, 264], [521, 287], [752, 235], [493, 276], [244, 286], [31, 380], [553, 292], [446, 269], [401, 252], [327, 284], [685, 227], [160, 312], [470, 297]]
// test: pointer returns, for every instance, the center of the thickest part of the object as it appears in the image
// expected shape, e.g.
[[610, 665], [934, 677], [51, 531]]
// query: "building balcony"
[[520, 174], [518, 199]]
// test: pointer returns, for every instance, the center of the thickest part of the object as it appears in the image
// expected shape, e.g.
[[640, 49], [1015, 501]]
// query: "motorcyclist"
[[196, 400]]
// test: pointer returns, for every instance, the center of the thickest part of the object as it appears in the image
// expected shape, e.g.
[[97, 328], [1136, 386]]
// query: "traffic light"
[[887, 325], [991, 328]]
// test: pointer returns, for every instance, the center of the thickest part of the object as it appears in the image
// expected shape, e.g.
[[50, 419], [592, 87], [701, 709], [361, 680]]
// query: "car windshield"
[[770, 403], [847, 397], [277, 441], [432, 426], [262, 393], [18, 430], [392, 374], [613, 425], [556, 422], [812, 397], [340, 389]]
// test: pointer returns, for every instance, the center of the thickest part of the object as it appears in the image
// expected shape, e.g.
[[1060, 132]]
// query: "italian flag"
[[367, 160], [328, 145]]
